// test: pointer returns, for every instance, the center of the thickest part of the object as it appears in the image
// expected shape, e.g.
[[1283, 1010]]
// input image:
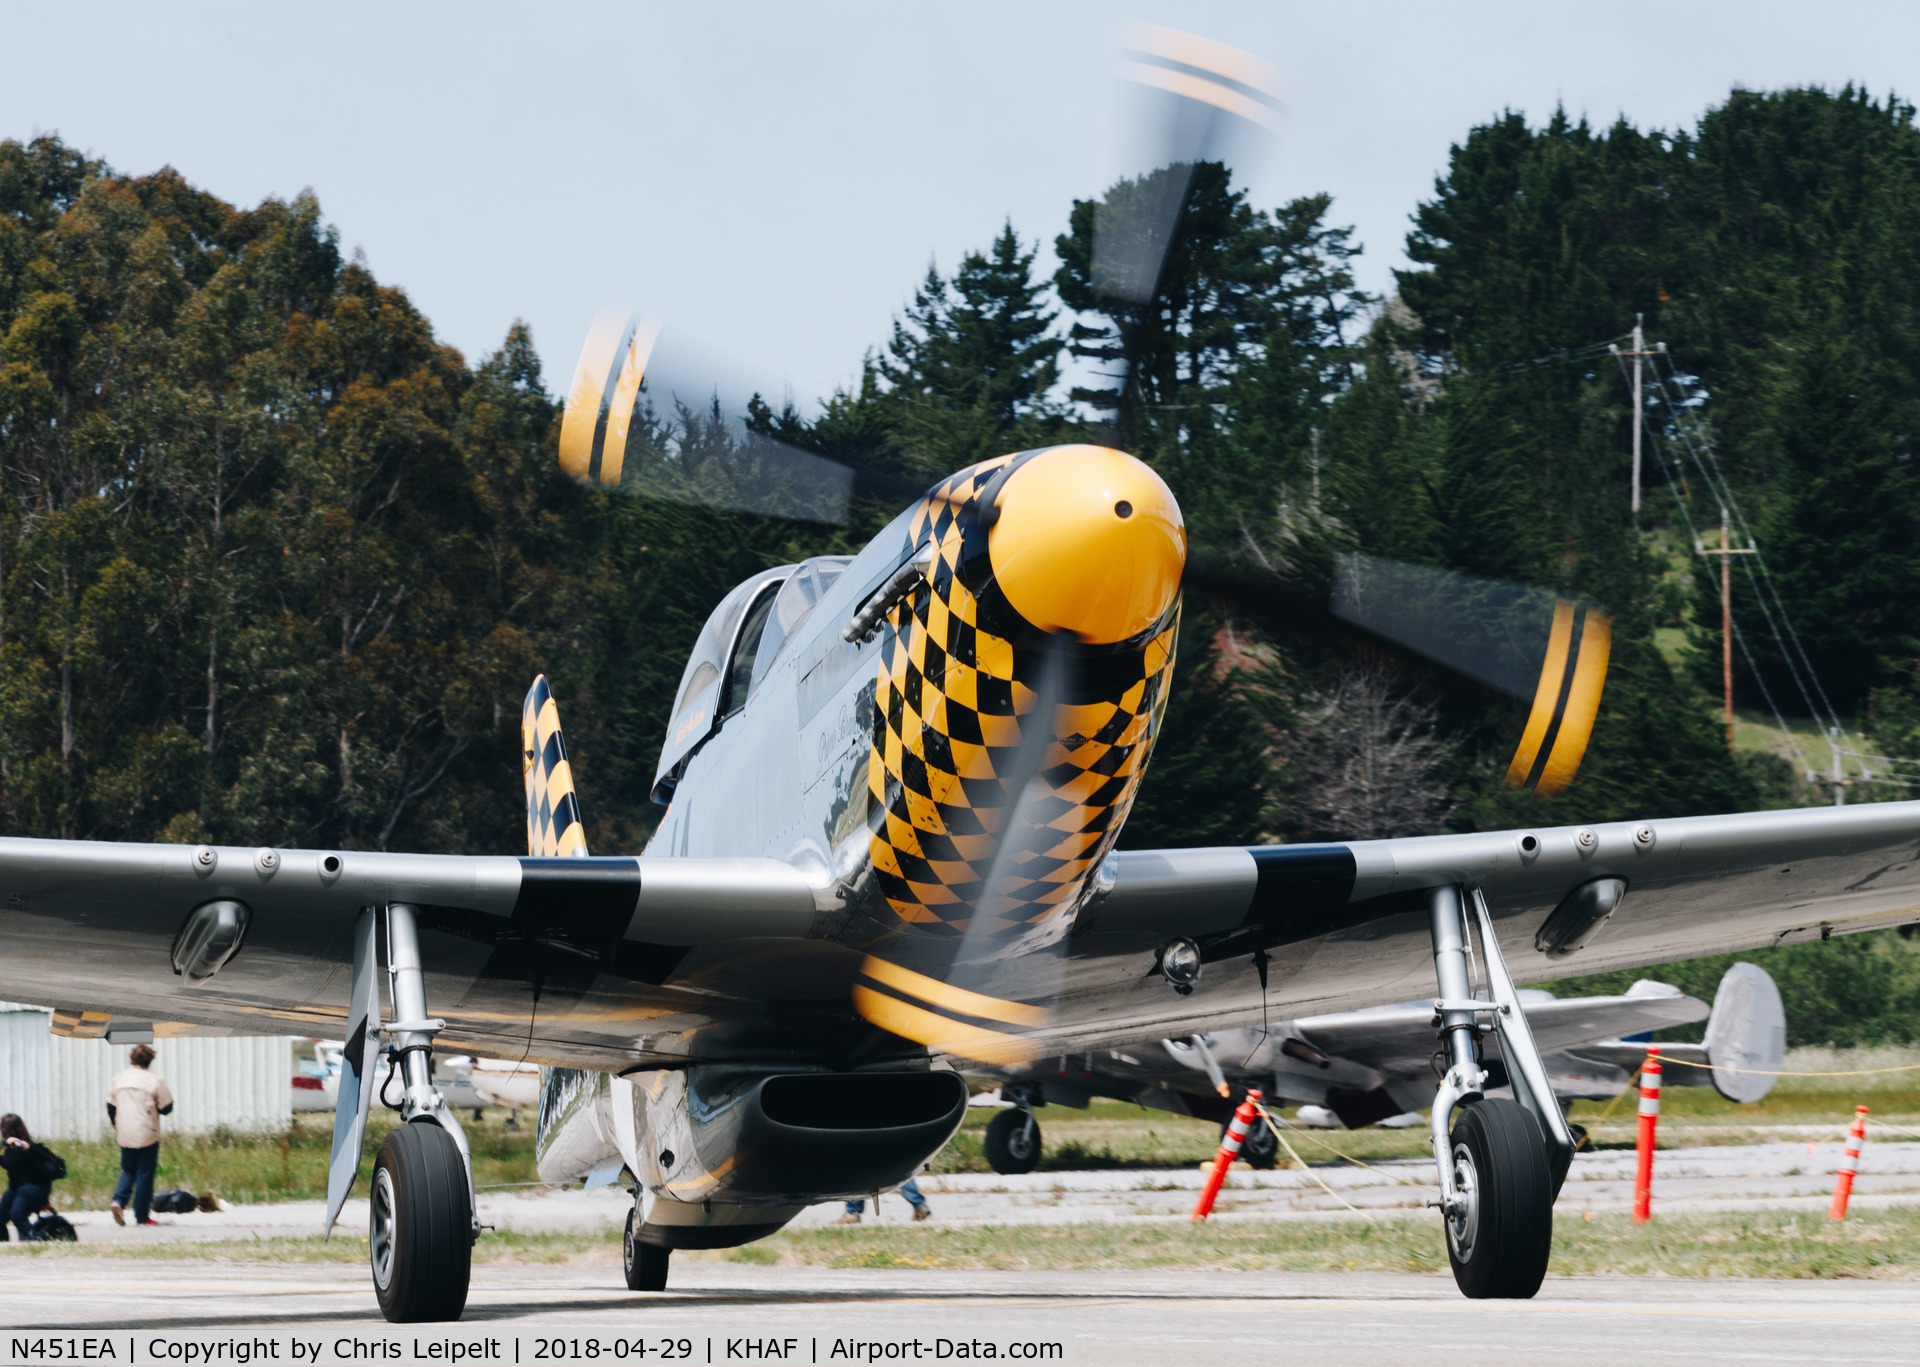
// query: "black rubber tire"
[[1013, 1142], [645, 1265], [1500, 1246], [1261, 1148], [420, 1235]]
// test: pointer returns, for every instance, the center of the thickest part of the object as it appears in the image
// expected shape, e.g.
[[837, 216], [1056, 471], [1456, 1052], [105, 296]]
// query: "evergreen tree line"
[[276, 565]]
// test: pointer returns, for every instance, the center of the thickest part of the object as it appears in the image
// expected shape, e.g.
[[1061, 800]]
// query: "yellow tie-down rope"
[[1789, 1072], [1589, 1207], [1633, 1078], [1267, 1116]]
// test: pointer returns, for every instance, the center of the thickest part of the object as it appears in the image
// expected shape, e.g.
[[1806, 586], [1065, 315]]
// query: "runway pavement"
[[1099, 1317]]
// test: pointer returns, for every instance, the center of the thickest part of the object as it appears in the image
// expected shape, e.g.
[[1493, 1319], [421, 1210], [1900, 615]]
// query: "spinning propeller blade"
[[1201, 100], [1484, 635], [692, 446]]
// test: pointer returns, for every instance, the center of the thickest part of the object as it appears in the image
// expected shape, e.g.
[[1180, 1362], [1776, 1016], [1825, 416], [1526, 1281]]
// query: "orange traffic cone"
[[1243, 1118], [1649, 1123], [1843, 1185]]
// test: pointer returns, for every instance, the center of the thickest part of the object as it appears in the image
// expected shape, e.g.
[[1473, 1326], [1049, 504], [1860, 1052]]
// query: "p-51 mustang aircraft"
[[896, 783]]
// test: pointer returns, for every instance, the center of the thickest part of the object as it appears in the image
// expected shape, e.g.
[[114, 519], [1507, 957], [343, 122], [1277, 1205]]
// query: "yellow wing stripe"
[[1546, 698], [938, 1032], [1583, 704], [948, 997]]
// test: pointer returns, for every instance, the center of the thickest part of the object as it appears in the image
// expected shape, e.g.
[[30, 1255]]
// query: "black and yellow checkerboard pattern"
[[952, 704], [553, 811], [81, 1024]]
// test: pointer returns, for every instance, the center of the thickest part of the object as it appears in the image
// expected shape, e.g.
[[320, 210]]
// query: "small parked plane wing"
[[1400, 1037]]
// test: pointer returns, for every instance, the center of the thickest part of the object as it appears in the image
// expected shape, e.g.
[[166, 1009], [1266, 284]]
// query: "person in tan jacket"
[[136, 1100]]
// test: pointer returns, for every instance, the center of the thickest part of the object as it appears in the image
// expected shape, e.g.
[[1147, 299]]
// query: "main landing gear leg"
[[1497, 1183], [421, 1223], [1013, 1137]]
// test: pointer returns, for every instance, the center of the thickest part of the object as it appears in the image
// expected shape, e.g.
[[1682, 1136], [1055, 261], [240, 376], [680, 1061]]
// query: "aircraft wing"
[[616, 962], [101, 932], [1695, 885], [1291, 931]]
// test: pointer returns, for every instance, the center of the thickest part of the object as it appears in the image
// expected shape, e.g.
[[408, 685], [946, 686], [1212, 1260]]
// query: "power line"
[[1717, 485], [1704, 454]]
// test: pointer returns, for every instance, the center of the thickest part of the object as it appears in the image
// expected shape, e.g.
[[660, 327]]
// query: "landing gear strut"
[[1501, 1166], [1013, 1137], [422, 1222]]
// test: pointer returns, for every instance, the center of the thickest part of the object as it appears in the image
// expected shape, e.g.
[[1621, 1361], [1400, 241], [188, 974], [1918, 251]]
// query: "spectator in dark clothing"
[[29, 1176]]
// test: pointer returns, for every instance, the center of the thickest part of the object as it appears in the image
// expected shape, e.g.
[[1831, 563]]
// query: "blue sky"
[[772, 179]]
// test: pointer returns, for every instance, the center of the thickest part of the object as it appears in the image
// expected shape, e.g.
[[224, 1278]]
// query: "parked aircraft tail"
[[553, 811], [1746, 1034]]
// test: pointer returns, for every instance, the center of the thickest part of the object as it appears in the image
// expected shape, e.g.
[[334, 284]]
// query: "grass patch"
[[291, 1166], [1769, 1244]]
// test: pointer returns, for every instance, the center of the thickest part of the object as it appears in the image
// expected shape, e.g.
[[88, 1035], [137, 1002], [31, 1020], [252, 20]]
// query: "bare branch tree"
[[1363, 761]]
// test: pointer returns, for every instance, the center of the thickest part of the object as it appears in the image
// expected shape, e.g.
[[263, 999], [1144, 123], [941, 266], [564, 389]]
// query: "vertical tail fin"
[[553, 812]]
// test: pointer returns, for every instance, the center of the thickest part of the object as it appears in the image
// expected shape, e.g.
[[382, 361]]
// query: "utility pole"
[[1726, 553], [1639, 408], [1639, 398]]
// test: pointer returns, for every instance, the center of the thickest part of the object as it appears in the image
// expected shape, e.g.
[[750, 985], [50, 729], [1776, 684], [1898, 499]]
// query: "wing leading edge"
[[1693, 886], [94, 929]]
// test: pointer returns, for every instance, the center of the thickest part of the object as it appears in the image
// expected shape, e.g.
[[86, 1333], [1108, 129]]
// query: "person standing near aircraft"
[[909, 1192], [136, 1099]]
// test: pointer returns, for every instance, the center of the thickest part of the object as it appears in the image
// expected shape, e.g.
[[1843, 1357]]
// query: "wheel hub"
[[1463, 1220], [380, 1231], [1021, 1142]]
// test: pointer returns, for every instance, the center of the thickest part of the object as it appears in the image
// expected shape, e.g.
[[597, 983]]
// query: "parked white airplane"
[[1375, 1066]]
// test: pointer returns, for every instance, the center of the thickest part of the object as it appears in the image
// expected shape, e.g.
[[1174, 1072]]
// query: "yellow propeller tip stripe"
[[1565, 702]]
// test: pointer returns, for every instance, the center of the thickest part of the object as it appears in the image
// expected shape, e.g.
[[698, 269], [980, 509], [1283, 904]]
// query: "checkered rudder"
[[553, 812]]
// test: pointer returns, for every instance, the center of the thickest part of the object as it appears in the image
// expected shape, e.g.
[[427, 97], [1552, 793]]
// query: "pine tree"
[[974, 359]]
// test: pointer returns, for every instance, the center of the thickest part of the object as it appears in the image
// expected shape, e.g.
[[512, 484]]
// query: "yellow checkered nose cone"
[[1088, 540]]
